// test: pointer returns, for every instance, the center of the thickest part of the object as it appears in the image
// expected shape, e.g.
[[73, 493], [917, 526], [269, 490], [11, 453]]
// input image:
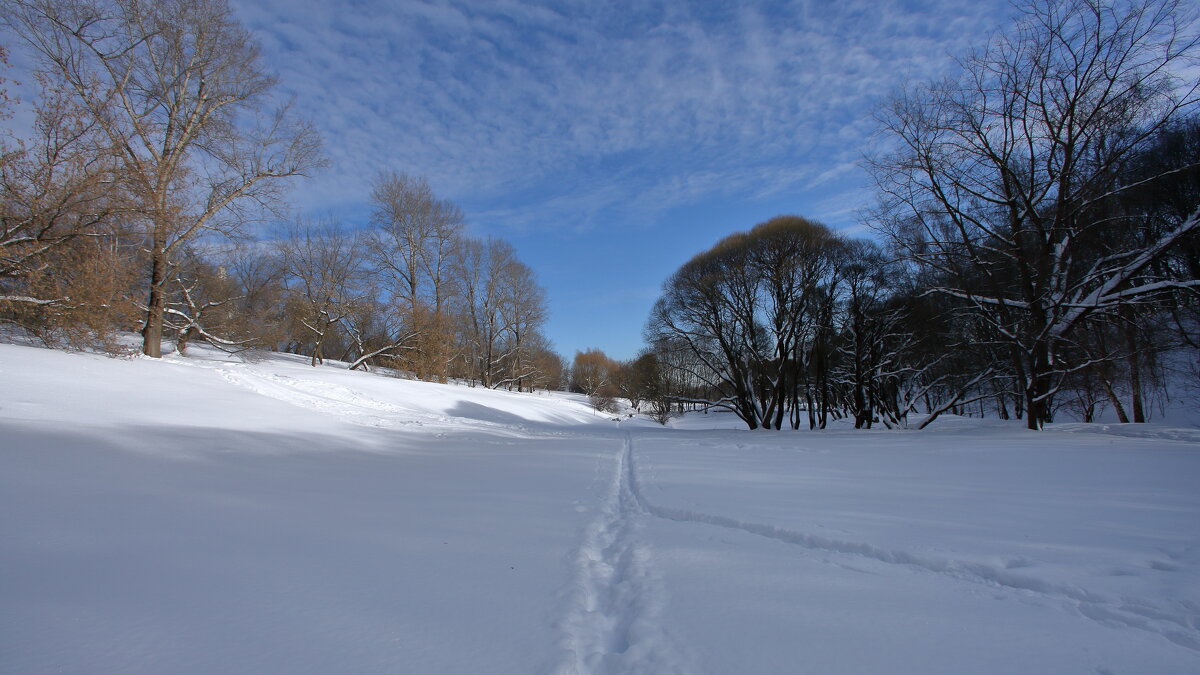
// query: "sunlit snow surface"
[[218, 515]]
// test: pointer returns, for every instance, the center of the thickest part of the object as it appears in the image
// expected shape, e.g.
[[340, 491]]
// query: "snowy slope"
[[210, 514]]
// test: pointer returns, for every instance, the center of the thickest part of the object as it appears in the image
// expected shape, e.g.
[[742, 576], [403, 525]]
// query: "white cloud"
[[587, 109]]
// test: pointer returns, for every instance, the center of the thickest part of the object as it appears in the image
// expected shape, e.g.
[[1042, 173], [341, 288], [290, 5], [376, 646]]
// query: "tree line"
[[640, 381], [1036, 228], [156, 141], [1039, 220]]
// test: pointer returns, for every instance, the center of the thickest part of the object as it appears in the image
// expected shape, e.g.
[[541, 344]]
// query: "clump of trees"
[[598, 377], [1041, 219], [156, 141], [1022, 188], [414, 293], [173, 95], [641, 381], [790, 324]]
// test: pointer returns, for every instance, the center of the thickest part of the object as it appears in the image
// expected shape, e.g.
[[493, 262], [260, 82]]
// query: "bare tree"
[[179, 88], [549, 370], [639, 380], [756, 313], [375, 333], [202, 304], [481, 323], [593, 372], [55, 186], [64, 267], [501, 315], [323, 263], [523, 306], [89, 280], [414, 237], [999, 184], [869, 326], [259, 272], [412, 248]]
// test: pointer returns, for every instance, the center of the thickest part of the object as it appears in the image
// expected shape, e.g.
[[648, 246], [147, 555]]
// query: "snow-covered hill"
[[214, 514]]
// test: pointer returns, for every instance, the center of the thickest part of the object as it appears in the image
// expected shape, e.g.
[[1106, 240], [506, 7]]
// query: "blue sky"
[[608, 141]]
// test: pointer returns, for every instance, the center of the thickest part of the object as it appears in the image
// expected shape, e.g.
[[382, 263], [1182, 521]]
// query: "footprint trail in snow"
[[615, 601]]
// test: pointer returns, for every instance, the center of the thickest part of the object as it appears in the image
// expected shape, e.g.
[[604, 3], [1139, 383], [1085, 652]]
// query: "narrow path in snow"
[[1180, 624], [612, 619]]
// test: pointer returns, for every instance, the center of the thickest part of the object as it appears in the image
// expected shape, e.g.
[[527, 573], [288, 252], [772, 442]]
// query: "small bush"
[[603, 402], [661, 412]]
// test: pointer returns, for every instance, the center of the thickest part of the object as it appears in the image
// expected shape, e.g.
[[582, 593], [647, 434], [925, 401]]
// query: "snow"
[[219, 514]]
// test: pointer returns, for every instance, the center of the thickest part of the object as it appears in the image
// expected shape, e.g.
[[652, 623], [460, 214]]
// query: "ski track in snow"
[[613, 606], [1181, 626]]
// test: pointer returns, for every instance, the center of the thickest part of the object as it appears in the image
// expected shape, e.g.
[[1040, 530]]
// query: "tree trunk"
[[181, 341], [1001, 406], [317, 357], [1033, 413], [1135, 371], [1037, 387], [1035, 403], [1115, 400], [1088, 406], [156, 304]]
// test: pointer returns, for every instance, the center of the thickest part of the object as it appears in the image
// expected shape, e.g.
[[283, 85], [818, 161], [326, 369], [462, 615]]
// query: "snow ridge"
[[342, 402], [377, 404], [613, 607], [1181, 626]]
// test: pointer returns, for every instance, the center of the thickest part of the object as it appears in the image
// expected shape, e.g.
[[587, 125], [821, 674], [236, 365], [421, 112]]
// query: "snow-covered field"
[[215, 515]]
